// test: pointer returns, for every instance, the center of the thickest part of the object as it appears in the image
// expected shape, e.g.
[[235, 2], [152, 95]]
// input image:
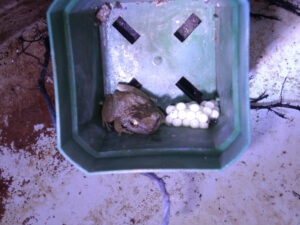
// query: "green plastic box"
[[90, 58]]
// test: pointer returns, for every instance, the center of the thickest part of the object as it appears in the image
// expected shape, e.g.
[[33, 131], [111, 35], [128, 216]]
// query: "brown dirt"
[[18, 14], [4, 194], [22, 103]]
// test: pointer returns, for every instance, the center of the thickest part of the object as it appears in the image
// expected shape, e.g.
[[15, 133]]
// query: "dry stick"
[[255, 105], [286, 5], [261, 16], [275, 105], [23, 51], [282, 86], [259, 98], [41, 81], [296, 194], [254, 101]]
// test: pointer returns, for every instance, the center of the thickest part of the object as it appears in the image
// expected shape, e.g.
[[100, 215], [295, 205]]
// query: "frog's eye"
[[187, 28], [127, 31], [134, 123]]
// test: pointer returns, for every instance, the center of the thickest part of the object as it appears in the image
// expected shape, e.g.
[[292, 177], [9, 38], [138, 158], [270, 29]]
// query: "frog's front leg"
[[108, 111], [119, 128]]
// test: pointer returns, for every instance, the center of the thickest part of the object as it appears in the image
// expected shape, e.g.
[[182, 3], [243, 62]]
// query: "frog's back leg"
[[108, 111], [128, 88]]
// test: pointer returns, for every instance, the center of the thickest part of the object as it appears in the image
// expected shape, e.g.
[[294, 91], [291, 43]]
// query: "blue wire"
[[165, 194]]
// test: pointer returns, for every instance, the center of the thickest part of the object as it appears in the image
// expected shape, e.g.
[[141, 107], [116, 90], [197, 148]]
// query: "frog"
[[130, 111]]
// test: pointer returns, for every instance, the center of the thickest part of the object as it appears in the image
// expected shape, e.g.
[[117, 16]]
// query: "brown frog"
[[131, 110]]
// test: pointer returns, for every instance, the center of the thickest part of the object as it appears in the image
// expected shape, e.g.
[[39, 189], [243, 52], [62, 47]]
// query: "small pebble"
[[203, 118], [194, 107], [180, 106], [186, 122], [214, 114], [209, 104], [181, 114], [103, 13], [194, 123], [203, 125], [174, 114], [169, 120], [177, 122], [207, 111], [170, 109]]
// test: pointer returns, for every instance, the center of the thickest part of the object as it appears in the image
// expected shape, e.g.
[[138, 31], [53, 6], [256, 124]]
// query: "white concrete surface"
[[258, 189]]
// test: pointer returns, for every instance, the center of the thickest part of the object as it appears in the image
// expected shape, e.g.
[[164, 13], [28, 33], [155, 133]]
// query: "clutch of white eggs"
[[192, 114]]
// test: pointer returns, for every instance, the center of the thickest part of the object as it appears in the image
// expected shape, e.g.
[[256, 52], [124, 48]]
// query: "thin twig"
[[44, 65], [282, 86], [23, 51], [278, 113], [33, 56], [275, 105], [254, 104], [259, 98], [31, 41], [261, 16], [41, 81], [286, 5], [296, 194], [271, 107]]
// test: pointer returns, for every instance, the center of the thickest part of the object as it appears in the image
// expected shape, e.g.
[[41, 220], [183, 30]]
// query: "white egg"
[[190, 115], [207, 111], [174, 114], [180, 106], [169, 120], [186, 122], [170, 109], [190, 103], [203, 118], [203, 103], [194, 123], [181, 114], [209, 104], [203, 125], [216, 108], [215, 102], [194, 107], [214, 114], [177, 122]]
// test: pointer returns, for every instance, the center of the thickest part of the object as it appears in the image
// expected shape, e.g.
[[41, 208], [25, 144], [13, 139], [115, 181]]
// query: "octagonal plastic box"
[[90, 57]]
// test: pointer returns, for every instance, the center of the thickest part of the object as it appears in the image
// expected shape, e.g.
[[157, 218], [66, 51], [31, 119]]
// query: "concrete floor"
[[38, 186]]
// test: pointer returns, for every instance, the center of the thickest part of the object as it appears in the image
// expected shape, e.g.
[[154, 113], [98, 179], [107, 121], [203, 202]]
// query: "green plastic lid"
[[156, 42]]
